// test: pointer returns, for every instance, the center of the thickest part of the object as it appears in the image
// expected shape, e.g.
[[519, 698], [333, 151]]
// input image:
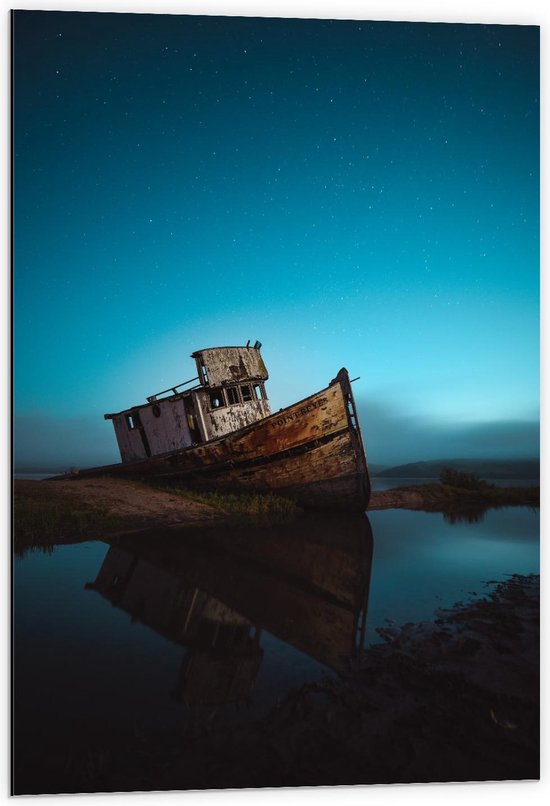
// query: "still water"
[[143, 634]]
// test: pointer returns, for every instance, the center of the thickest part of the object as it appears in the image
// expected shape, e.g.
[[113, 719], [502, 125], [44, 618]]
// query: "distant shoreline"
[[488, 469], [436, 497]]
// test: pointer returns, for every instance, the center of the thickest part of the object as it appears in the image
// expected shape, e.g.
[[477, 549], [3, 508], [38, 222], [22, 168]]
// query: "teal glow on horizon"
[[349, 193]]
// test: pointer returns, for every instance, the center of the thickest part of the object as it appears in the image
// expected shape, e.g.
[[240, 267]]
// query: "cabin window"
[[132, 421], [258, 391], [232, 395], [203, 373], [216, 399], [246, 392]]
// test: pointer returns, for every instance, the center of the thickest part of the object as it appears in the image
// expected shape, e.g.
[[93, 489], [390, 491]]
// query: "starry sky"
[[359, 194]]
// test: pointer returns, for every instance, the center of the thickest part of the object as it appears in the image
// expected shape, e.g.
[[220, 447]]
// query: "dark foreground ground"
[[456, 699]]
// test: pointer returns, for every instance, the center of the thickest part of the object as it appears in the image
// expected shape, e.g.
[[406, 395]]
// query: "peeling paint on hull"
[[311, 451]]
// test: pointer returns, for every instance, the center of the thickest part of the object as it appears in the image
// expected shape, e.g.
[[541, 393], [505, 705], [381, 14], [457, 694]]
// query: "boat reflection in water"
[[213, 591]]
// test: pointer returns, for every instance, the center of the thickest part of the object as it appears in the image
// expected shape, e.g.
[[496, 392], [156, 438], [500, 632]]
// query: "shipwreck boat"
[[220, 434]]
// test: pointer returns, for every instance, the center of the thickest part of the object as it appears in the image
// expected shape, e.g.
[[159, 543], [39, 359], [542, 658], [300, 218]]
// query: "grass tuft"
[[243, 505], [38, 521]]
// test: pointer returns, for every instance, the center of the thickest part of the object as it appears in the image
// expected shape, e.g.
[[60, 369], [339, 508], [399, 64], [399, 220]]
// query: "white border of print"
[[534, 12]]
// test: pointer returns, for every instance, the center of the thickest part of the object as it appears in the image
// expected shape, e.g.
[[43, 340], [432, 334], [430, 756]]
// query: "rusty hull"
[[311, 451]]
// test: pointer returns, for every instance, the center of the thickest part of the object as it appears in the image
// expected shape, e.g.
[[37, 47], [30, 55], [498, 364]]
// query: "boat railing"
[[171, 389]]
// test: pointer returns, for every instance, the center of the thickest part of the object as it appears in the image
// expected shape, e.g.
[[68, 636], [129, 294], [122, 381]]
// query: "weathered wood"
[[311, 451], [230, 395], [223, 365]]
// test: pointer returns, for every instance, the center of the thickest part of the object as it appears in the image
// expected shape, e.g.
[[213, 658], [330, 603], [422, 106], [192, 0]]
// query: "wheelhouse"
[[230, 394]]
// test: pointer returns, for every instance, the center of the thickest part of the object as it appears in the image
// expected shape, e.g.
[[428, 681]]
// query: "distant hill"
[[484, 468]]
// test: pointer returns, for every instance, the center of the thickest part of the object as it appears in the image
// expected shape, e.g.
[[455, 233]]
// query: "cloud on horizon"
[[393, 438], [45, 443]]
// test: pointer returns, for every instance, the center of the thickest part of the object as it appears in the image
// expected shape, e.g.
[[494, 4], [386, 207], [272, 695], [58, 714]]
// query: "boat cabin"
[[230, 394]]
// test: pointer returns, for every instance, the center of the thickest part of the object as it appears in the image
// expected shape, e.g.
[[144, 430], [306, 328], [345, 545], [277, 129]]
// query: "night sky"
[[349, 193]]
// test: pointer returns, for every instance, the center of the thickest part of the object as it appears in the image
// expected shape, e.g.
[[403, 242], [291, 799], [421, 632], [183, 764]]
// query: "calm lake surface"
[[142, 635]]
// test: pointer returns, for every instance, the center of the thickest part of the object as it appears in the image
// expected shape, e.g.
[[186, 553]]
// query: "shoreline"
[[65, 509], [75, 511], [453, 699], [437, 497]]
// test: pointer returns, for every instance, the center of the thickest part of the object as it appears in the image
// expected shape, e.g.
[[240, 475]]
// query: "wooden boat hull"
[[311, 451]]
